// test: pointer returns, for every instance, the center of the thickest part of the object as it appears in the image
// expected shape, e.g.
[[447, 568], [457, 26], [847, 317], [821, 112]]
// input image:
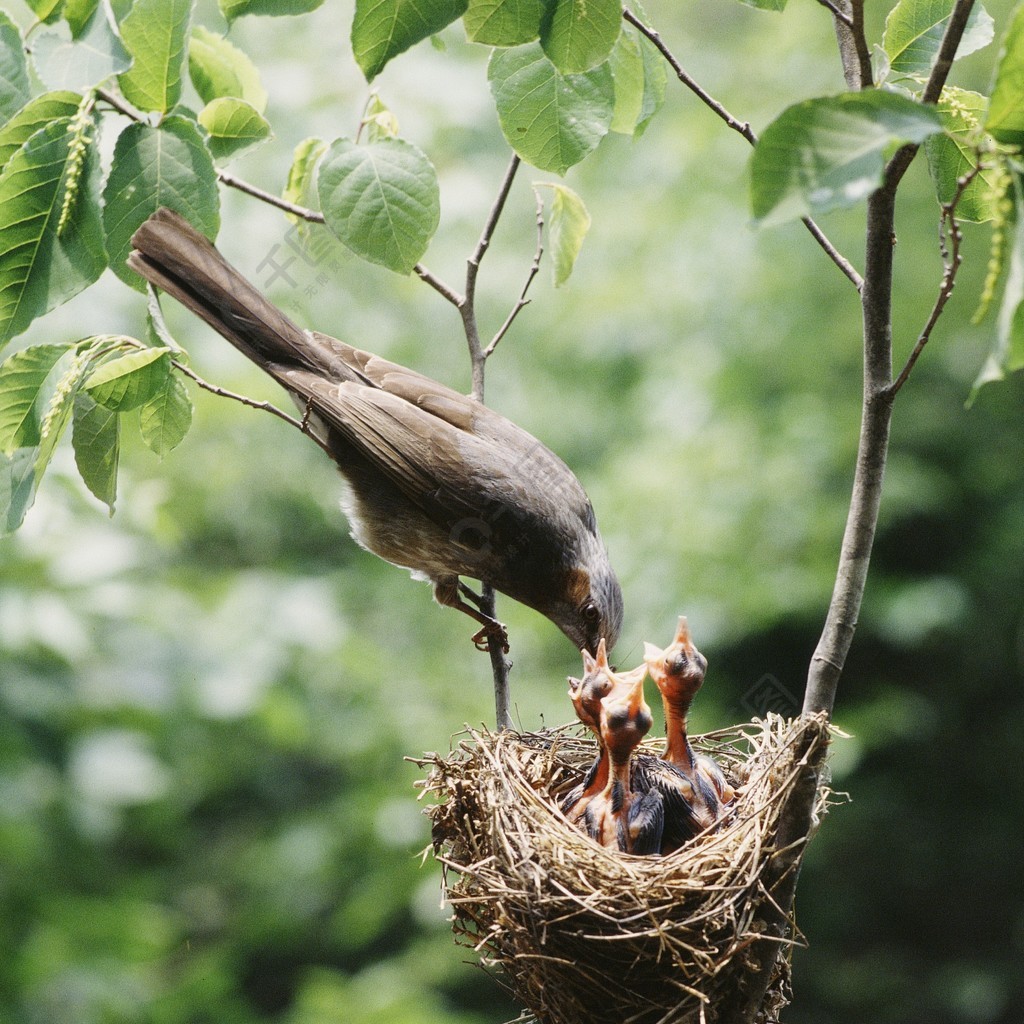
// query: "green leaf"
[[503, 22], [953, 155], [17, 487], [1005, 120], [381, 200], [39, 267], [1008, 353], [551, 120], [22, 396], [154, 33], [828, 153], [15, 90], [79, 64], [914, 31], [218, 68], [382, 29], [569, 225], [166, 417], [639, 76], [232, 9], [45, 10], [168, 165], [129, 379], [77, 14], [577, 35], [766, 5], [96, 439], [379, 121], [33, 116], [302, 173], [233, 125]]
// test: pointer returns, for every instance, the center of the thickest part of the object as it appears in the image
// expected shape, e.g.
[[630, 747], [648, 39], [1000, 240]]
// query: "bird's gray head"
[[592, 610]]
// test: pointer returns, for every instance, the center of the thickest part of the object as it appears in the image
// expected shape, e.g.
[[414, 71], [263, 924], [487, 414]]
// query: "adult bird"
[[438, 483], [694, 787], [611, 811]]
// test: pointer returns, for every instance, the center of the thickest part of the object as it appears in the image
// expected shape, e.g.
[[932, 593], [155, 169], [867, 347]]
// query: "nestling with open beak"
[[586, 695], [612, 812], [679, 671]]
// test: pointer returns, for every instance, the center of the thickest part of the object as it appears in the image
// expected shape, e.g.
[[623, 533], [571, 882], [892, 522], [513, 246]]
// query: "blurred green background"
[[206, 700]]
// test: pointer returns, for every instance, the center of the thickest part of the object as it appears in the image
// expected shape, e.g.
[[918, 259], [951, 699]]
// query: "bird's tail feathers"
[[174, 256]]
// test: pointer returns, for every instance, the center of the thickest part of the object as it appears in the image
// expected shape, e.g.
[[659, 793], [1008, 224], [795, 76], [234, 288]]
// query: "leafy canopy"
[[175, 100]]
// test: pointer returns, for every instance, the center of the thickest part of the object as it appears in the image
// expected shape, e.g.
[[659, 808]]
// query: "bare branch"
[[741, 127], [950, 239], [215, 389], [854, 52], [837, 12], [947, 51], [439, 286], [522, 301], [302, 212]]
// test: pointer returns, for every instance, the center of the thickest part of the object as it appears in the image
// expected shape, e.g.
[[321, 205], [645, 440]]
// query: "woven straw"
[[588, 935]]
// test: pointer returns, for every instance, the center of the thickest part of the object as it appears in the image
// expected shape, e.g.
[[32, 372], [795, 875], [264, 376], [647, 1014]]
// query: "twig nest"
[[589, 935]]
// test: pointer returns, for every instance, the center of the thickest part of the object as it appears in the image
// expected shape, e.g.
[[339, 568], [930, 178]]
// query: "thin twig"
[[950, 238], [837, 12], [215, 389], [302, 212], [522, 301], [449, 293], [740, 127]]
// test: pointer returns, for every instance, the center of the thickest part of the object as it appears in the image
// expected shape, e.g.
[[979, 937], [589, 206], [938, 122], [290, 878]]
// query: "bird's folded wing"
[[433, 463]]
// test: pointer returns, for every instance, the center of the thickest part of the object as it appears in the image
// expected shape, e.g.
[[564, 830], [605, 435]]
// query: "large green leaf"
[[233, 125], [577, 35], [638, 72], [232, 9], [41, 267], [79, 64], [77, 14], [828, 153], [45, 10], [382, 29], [154, 33], [24, 396], [15, 90], [96, 438], [914, 31], [1005, 119], [381, 200], [152, 167], [218, 68], [551, 120], [952, 155], [33, 116], [166, 417], [129, 378], [503, 22]]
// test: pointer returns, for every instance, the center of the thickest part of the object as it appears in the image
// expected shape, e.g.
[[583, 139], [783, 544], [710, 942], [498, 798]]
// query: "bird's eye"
[[591, 613]]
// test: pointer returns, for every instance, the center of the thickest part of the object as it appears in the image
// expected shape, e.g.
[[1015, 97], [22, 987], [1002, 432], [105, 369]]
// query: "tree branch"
[[741, 127], [854, 52], [829, 658], [950, 239]]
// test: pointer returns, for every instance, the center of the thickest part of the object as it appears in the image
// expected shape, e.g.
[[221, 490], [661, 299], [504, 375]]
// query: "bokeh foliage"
[[206, 699]]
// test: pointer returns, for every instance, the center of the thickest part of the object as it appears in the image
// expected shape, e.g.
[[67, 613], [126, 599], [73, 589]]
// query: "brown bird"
[[437, 482], [613, 813], [696, 782]]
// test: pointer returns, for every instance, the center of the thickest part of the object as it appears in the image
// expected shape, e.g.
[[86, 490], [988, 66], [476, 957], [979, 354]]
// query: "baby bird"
[[697, 785], [613, 813]]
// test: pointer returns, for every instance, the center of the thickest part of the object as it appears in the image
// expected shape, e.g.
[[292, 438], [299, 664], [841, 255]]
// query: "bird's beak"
[[682, 632], [635, 694], [652, 654]]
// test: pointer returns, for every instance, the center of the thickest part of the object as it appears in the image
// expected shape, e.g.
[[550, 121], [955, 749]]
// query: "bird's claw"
[[491, 631]]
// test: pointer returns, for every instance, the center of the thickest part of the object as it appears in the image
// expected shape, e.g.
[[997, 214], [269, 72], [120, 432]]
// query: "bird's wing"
[[434, 464], [646, 823]]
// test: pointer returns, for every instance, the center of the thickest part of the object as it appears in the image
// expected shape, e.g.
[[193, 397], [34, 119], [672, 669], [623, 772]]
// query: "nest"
[[588, 935]]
